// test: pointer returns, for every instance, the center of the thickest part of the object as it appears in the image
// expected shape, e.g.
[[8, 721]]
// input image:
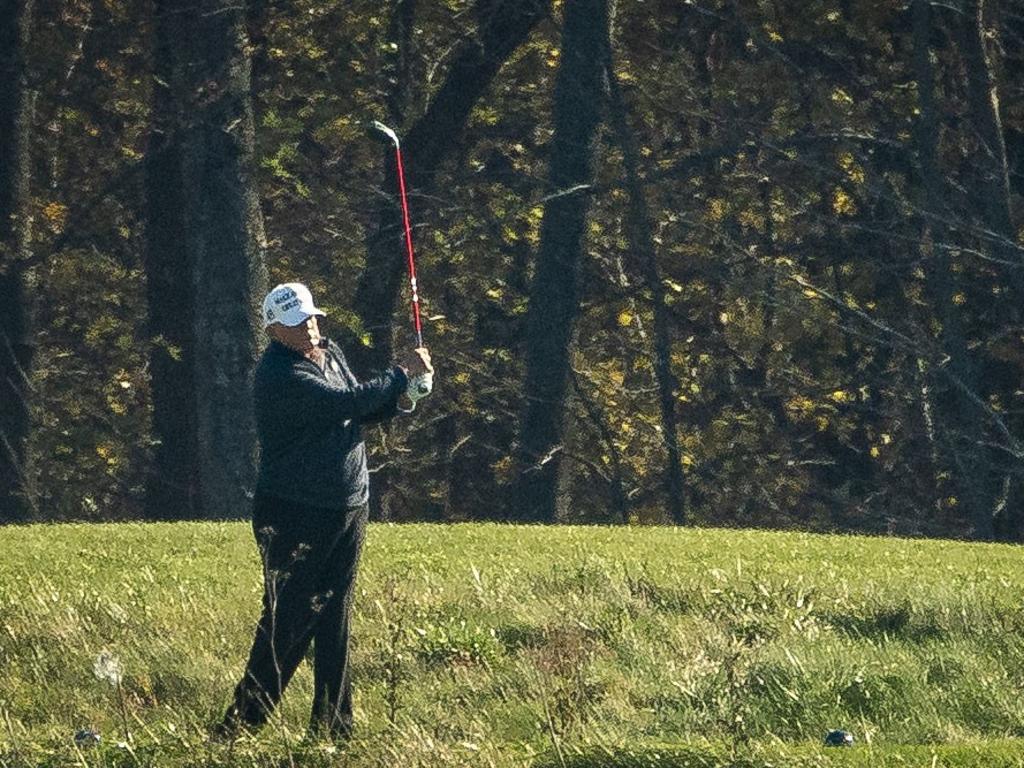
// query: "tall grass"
[[509, 646]]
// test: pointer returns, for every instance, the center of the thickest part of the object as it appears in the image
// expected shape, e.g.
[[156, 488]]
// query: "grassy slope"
[[495, 645]]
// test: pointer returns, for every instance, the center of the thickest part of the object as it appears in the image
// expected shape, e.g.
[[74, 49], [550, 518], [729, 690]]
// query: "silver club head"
[[386, 131]]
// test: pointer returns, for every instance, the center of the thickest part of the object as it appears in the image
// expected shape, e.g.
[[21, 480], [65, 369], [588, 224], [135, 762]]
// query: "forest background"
[[720, 262]]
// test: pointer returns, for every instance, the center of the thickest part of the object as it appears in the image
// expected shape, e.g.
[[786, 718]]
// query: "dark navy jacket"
[[308, 419]]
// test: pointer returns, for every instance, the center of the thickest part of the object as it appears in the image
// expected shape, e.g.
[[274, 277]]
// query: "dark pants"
[[309, 570]]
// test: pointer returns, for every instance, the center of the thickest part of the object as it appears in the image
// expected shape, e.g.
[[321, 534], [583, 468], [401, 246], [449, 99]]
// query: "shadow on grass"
[[898, 621], [996, 754], [627, 757]]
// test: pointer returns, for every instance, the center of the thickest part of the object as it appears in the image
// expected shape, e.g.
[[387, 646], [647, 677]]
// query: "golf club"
[[423, 383]]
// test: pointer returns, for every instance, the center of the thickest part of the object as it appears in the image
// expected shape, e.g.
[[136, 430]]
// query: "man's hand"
[[420, 373], [417, 362]]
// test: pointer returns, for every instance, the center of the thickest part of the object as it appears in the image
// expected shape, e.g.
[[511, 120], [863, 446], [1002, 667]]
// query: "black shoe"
[[229, 730], [222, 733]]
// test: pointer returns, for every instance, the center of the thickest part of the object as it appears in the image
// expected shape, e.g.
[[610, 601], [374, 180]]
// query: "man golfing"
[[311, 506]]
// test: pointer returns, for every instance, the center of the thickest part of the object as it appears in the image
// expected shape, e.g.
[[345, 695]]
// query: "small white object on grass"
[[108, 667]]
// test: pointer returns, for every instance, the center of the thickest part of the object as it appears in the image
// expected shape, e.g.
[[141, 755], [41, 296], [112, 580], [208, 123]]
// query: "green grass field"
[[488, 645]]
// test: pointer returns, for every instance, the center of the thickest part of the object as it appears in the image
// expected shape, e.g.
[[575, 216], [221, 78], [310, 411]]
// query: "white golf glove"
[[419, 387]]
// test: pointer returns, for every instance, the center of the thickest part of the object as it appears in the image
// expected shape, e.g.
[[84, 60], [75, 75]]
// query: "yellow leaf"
[[839, 96], [106, 451], [625, 318], [853, 170], [56, 214], [502, 469], [55, 211], [800, 403], [842, 203]]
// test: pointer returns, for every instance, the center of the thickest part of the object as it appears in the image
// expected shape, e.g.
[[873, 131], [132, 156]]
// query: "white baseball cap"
[[289, 304]]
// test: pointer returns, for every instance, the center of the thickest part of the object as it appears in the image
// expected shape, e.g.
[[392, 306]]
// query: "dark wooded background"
[[719, 262]]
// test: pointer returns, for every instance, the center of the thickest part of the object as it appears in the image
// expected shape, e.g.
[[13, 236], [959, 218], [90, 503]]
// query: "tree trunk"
[[999, 376], [16, 337], [172, 489], [205, 262], [400, 34], [641, 246], [230, 272], [1010, 523], [957, 411], [994, 202], [554, 293]]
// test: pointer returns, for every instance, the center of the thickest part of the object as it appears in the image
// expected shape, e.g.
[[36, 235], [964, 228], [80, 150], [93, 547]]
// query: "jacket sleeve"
[[309, 393], [387, 411]]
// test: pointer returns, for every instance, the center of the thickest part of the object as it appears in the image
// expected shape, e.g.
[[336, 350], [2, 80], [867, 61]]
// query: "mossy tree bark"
[[554, 293], [17, 346], [205, 262]]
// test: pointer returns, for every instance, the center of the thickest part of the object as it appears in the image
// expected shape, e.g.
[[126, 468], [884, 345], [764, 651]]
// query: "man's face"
[[299, 337]]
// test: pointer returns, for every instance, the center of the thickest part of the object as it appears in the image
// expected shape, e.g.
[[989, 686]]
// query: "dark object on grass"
[[839, 739], [87, 737]]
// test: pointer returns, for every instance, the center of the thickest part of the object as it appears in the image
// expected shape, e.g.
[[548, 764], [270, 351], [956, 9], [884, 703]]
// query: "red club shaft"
[[408, 245]]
